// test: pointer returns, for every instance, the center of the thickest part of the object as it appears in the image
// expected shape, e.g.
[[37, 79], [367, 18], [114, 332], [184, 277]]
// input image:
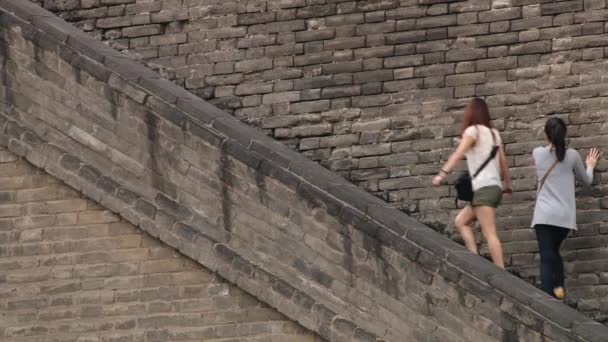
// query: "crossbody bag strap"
[[542, 180], [490, 157]]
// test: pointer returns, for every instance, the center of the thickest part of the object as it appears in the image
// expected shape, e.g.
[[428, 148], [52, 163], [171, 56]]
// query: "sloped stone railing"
[[298, 237]]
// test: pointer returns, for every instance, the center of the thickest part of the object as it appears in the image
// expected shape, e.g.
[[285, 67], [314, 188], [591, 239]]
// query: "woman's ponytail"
[[556, 131]]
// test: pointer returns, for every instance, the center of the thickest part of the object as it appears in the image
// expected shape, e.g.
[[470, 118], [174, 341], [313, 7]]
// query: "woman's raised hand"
[[592, 158]]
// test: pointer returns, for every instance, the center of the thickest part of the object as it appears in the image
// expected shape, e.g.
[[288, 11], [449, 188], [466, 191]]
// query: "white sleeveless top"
[[484, 143]]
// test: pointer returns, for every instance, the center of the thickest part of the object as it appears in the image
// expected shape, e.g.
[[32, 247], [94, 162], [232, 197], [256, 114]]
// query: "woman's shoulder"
[[572, 153], [481, 129], [472, 128], [495, 131], [538, 150]]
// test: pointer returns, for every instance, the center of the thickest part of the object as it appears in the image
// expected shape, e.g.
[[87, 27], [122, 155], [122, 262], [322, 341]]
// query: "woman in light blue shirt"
[[555, 209]]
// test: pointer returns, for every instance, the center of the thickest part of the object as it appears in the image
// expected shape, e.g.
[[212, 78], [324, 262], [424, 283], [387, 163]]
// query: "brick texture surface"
[[404, 69], [73, 271], [320, 250]]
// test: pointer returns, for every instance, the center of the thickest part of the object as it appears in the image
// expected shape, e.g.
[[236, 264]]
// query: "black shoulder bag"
[[464, 184]]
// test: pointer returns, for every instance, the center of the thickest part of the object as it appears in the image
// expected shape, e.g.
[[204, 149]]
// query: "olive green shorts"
[[488, 196]]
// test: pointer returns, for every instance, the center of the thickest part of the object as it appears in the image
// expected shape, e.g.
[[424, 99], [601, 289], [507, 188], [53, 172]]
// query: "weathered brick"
[[305, 131], [289, 96], [315, 58], [498, 39], [316, 11], [334, 92], [372, 76], [139, 31], [468, 30], [312, 35], [342, 67], [397, 86], [403, 61], [112, 22], [344, 43], [376, 28], [528, 23], [406, 37], [168, 39], [253, 65], [310, 106], [496, 64], [465, 55], [530, 48], [256, 18], [434, 70], [437, 21], [561, 7]]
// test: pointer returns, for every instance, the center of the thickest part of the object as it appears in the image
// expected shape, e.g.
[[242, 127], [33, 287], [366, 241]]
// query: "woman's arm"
[[465, 144], [504, 170], [586, 175]]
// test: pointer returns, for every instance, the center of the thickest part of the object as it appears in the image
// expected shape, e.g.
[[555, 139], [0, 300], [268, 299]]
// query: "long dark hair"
[[476, 113], [556, 131]]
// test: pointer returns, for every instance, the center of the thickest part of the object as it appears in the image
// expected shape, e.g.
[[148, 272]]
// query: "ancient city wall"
[[71, 270], [373, 90], [323, 252]]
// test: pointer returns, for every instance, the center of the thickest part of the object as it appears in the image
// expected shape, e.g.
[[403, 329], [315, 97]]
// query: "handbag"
[[464, 183]]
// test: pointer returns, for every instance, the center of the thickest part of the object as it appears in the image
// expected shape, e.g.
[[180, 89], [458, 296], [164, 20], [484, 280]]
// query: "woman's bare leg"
[[463, 222], [487, 220]]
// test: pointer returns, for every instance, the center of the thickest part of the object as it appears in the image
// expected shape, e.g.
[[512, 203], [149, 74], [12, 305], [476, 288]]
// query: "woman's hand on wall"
[[593, 157]]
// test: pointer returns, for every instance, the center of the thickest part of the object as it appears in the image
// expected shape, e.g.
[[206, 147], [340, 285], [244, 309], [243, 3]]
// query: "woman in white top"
[[478, 140]]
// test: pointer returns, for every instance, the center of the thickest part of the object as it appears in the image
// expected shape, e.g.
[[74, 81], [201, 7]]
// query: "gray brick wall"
[[300, 238], [403, 69], [71, 270]]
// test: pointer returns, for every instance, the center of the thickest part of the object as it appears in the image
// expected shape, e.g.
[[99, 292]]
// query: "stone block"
[[496, 64], [375, 28], [141, 31], [371, 100], [314, 35], [344, 91], [273, 98], [342, 67], [530, 48], [372, 76], [316, 11], [403, 61], [113, 22], [468, 30], [343, 43], [529, 23], [313, 58], [437, 21], [310, 106], [465, 55], [403, 85], [256, 18], [406, 37], [465, 79], [563, 7]]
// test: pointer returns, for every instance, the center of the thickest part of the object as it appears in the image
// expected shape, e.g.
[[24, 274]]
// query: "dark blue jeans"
[[550, 239]]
